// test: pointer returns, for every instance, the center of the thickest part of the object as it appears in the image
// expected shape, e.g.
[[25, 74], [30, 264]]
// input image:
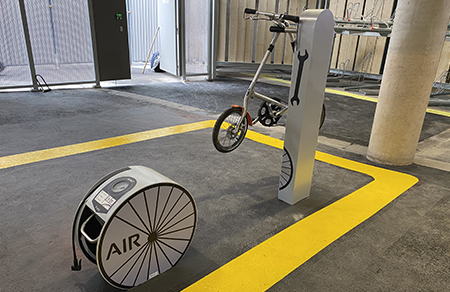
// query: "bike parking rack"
[[309, 75]]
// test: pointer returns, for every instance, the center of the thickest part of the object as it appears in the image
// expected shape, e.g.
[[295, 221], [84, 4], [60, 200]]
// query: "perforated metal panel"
[[197, 29], [60, 40], [14, 67], [142, 25]]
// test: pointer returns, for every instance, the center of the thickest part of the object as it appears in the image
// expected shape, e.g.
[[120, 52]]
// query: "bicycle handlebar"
[[282, 29], [292, 18], [276, 29], [250, 11]]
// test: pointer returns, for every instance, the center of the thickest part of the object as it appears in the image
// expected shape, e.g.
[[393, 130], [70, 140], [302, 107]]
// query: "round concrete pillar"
[[412, 60]]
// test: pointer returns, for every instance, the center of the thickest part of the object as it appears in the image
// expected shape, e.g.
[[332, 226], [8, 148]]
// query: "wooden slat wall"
[[241, 31], [240, 47], [366, 45], [337, 7], [352, 49], [444, 62], [278, 52], [380, 42], [295, 8]]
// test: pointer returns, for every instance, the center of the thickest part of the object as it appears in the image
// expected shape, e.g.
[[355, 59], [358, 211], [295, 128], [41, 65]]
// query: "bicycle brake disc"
[[265, 114]]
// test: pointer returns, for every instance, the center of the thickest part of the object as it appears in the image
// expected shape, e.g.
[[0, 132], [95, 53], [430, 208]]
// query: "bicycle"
[[231, 126]]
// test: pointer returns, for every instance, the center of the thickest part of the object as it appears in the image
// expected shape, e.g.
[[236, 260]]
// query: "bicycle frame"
[[250, 91]]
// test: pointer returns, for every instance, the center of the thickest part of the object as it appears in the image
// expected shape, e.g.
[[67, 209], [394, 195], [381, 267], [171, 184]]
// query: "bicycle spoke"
[[142, 264], [178, 230], [132, 266], [286, 170], [165, 255], [171, 209], [148, 212], [156, 205], [150, 259], [172, 248], [173, 217], [132, 225], [179, 221], [156, 256], [165, 205], [137, 214], [129, 259]]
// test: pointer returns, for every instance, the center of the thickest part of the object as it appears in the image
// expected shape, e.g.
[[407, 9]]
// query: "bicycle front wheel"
[[227, 135]]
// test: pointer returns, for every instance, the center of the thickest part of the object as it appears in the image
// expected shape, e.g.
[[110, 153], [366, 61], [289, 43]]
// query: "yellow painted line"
[[348, 94], [353, 95], [438, 112], [269, 262], [46, 154]]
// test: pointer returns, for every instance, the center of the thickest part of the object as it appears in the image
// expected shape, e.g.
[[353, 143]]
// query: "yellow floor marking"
[[345, 93], [46, 154], [353, 95], [269, 262], [438, 112]]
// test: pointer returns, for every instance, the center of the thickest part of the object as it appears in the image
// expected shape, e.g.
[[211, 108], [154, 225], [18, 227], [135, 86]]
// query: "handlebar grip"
[[250, 11], [292, 18], [276, 29]]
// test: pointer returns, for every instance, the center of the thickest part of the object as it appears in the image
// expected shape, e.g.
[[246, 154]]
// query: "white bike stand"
[[309, 73]]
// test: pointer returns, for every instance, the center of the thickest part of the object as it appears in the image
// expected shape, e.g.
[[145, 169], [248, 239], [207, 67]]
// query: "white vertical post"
[[308, 80]]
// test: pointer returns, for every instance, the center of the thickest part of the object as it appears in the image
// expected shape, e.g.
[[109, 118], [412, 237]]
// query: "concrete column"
[[412, 60]]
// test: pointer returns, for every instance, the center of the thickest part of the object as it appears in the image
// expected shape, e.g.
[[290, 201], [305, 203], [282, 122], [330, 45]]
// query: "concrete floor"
[[403, 247]]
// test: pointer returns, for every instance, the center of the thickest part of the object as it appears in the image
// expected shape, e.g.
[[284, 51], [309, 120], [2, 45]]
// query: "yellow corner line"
[[46, 154], [269, 262]]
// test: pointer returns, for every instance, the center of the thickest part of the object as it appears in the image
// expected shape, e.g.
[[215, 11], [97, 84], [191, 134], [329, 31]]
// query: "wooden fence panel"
[[365, 45], [445, 59], [295, 8], [249, 27], [233, 47], [346, 47], [337, 7], [380, 43], [283, 40]]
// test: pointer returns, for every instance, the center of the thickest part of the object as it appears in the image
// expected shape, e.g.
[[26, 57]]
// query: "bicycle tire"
[[322, 116], [286, 170], [223, 139]]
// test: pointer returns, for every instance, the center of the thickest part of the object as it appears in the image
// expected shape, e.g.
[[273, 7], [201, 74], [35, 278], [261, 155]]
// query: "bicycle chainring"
[[265, 116]]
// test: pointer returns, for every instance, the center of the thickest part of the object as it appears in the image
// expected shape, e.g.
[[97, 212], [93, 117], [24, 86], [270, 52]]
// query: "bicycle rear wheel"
[[226, 136]]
